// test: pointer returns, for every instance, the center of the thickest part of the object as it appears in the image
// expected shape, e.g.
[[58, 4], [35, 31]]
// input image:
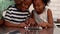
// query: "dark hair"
[[46, 2]]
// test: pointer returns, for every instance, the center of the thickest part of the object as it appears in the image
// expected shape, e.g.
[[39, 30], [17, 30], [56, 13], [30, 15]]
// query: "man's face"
[[38, 5], [24, 4]]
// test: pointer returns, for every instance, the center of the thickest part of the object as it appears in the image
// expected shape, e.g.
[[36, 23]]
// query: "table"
[[13, 30]]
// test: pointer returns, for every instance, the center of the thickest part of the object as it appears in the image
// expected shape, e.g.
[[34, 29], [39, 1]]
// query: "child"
[[43, 12], [16, 15]]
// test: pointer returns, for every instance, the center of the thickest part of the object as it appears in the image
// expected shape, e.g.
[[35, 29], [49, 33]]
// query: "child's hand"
[[23, 25], [43, 24], [32, 21]]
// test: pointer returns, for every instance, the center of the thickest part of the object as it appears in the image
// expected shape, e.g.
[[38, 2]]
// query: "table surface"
[[12, 30]]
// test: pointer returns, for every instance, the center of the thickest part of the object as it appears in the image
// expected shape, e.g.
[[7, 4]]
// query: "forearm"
[[50, 25]]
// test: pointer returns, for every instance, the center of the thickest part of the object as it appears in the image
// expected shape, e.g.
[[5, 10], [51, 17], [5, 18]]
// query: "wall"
[[55, 7]]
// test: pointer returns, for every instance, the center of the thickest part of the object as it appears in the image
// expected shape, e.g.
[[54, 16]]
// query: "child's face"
[[24, 5], [18, 1], [38, 5]]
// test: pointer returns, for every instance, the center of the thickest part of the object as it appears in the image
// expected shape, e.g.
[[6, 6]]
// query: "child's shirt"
[[42, 17], [16, 16]]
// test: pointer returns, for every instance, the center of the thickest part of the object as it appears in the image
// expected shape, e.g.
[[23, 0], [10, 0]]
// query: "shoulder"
[[49, 11], [11, 7]]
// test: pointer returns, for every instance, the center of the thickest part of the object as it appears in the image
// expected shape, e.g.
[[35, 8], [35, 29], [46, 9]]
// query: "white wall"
[[55, 7]]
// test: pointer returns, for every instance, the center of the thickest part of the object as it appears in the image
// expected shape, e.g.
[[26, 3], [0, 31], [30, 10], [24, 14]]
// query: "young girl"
[[44, 18], [17, 15]]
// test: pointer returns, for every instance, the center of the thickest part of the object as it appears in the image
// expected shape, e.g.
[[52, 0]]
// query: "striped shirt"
[[13, 15]]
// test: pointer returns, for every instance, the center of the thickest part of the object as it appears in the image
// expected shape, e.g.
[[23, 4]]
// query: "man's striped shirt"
[[16, 16]]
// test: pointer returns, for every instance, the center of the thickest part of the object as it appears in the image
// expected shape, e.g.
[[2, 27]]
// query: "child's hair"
[[46, 2]]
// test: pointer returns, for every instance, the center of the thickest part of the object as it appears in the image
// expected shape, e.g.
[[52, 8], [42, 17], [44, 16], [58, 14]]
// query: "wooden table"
[[6, 30]]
